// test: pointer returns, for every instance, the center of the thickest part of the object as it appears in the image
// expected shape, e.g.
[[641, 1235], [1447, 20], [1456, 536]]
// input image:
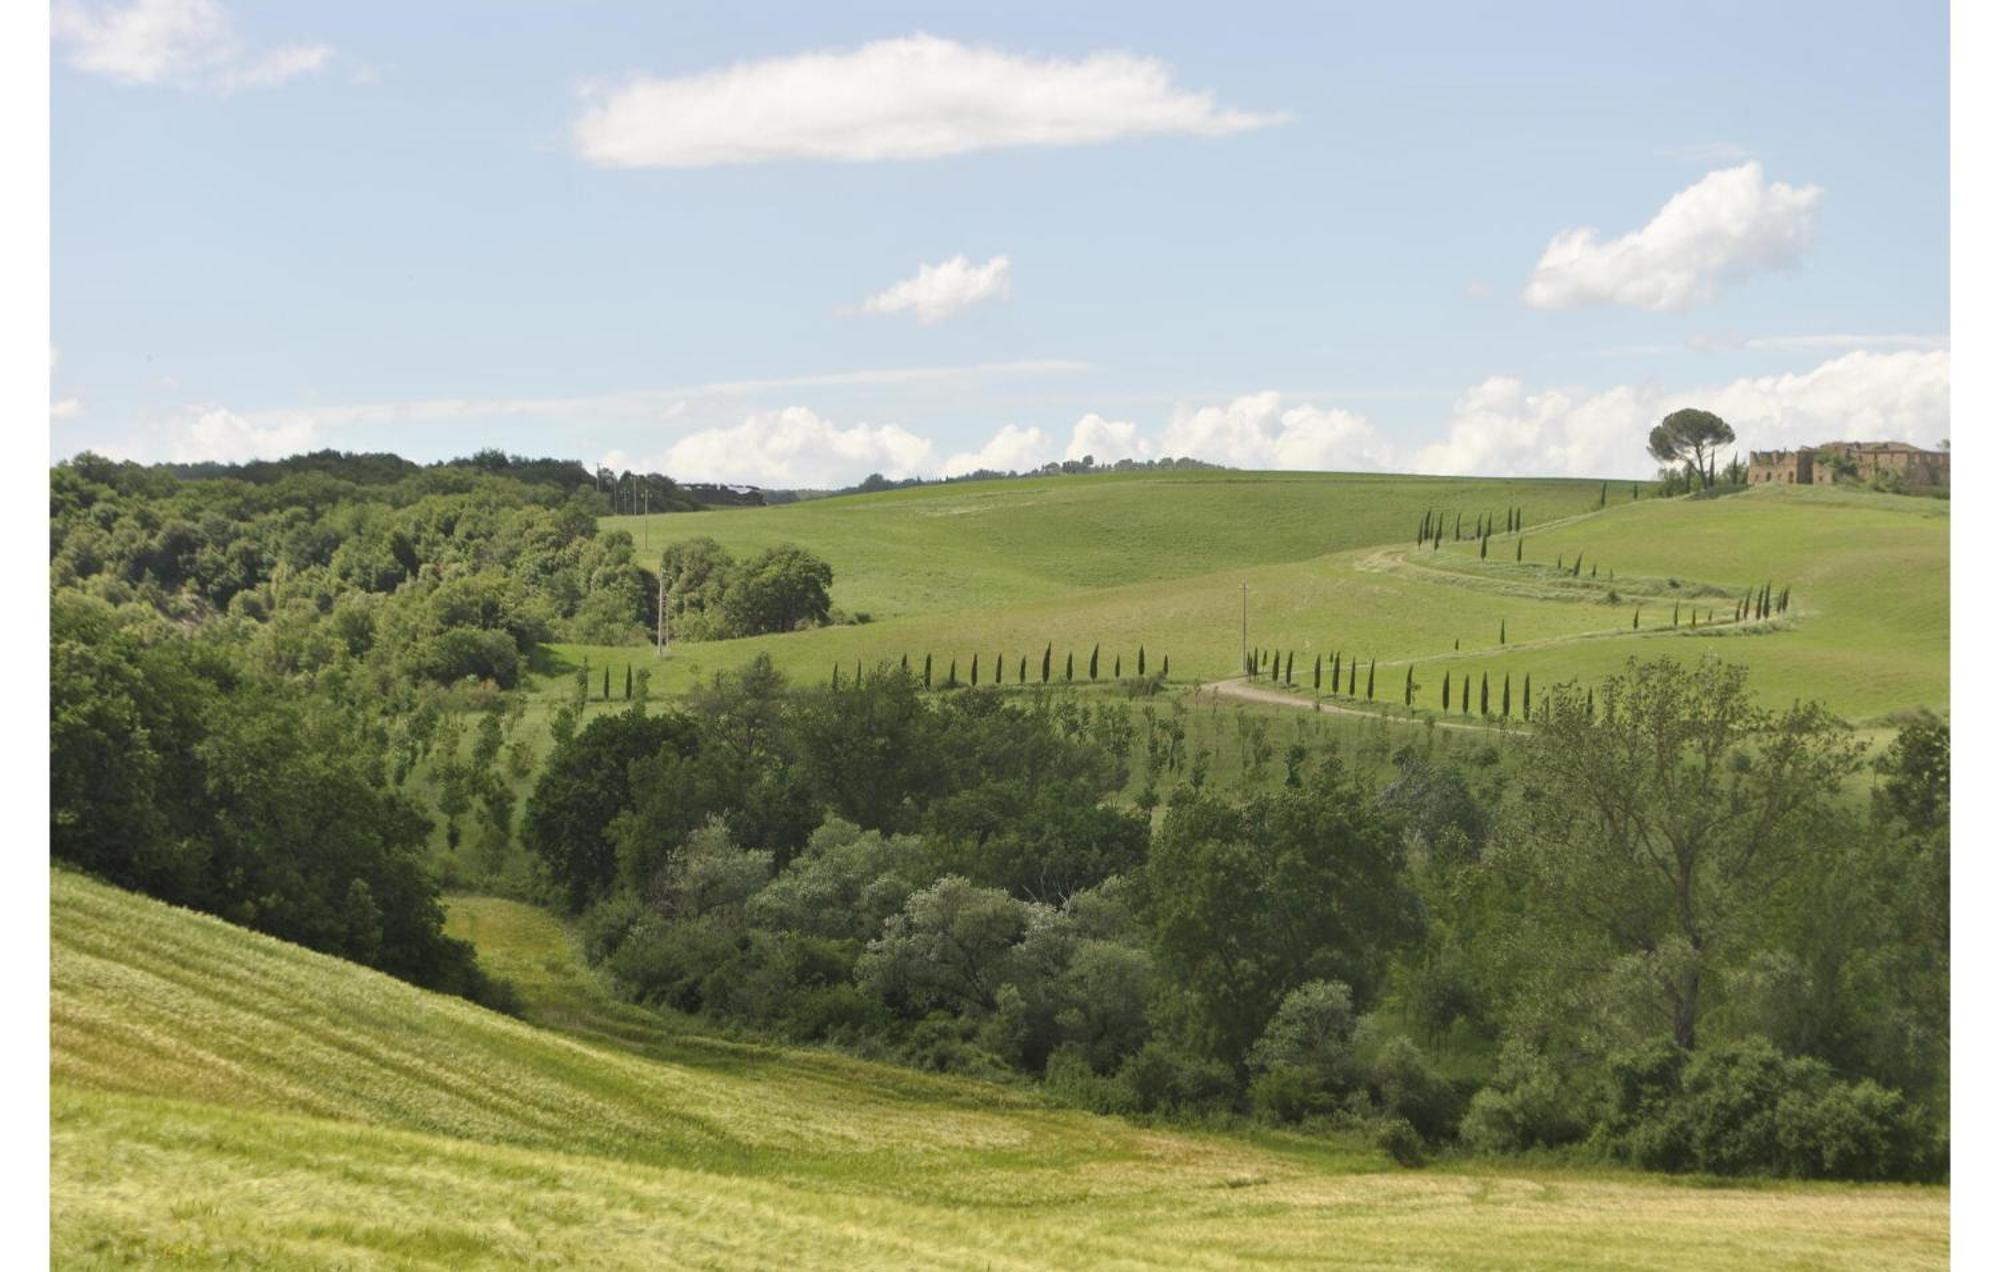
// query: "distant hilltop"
[[1900, 463]]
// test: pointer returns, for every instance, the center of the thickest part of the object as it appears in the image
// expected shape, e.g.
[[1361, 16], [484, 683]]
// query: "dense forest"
[[1675, 929], [1677, 940]]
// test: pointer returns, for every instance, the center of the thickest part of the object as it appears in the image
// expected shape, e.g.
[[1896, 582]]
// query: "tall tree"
[[1690, 436], [1664, 830]]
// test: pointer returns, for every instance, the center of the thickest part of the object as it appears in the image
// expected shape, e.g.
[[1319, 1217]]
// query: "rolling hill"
[[1330, 564], [220, 1097]]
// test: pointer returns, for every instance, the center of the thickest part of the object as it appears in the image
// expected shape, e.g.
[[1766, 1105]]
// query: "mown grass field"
[[1005, 569], [220, 1098]]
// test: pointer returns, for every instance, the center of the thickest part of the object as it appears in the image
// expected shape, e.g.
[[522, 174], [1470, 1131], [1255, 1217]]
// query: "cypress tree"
[[1047, 650], [1069, 667], [1482, 547], [1635, 618], [1465, 694], [927, 671], [1277, 667], [1334, 684], [1517, 548], [1507, 695], [1093, 662], [975, 671], [1577, 569], [1559, 562], [857, 671], [1288, 669], [1593, 569], [1590, 706], [1118, 667], [628, 682], [1446, 700], [1163, 666], [1677, 613], [1484, 698], [1353, 669], [951, 677], [1602, 491], [1409, 686], [1022, 678], [1527, 700], [1503, 631], [607, 682], [1316, 662], [1142, 660], [836, 675], [906, 663], [1371, 680]]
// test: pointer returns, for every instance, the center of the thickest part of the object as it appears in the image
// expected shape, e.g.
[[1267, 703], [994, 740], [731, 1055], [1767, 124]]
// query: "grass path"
[[221, 1098]]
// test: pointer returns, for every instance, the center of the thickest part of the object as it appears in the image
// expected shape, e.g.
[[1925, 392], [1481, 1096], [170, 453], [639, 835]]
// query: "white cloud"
[[1258, 431], [216, 433], [187, 43], [653, 404], [66, 409], [941, 290], [1720, 230], [1502, 428], [916, 97], [1012, 449], [1107, 441], [794, 447]]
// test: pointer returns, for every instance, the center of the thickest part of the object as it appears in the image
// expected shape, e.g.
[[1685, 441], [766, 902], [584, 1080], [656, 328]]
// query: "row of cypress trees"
[[997, 668], [1431, 529]]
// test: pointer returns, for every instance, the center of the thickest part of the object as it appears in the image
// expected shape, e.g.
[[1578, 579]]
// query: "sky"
[[791, 246]]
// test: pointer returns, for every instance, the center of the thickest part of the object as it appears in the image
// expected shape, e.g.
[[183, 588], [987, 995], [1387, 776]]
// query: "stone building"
[[1825, 464]]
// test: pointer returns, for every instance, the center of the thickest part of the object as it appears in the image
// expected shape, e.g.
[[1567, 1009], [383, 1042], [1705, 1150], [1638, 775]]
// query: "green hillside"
[[1009, 568], [977, 545], [223, 1098]]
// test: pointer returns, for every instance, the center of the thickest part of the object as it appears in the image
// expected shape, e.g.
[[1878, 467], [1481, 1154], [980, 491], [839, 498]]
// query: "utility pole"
[[1243, 658]]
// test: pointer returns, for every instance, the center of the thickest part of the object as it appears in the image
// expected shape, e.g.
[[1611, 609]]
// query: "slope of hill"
[[1011, 568], [984, 544], [220, 1097]]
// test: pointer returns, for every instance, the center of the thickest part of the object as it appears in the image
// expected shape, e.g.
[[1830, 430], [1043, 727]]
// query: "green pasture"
[[221, 1098], [1867, 632]]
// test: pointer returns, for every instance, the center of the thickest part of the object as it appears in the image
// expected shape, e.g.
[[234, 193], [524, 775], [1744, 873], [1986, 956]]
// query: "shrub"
[[1401, 1142], [1070, 1079], [1163, 1079]]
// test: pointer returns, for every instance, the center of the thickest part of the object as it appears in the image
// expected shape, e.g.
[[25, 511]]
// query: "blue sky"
[[1339, 237]]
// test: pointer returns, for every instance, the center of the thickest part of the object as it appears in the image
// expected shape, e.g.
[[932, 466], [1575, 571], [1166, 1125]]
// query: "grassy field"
[[223, 1098], [1002, 570]]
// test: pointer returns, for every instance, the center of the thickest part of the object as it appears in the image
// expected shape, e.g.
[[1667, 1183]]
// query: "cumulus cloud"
[[941, 290], [216, 433], [1259, 431], [185, 43], [794, 447], [916, 97], [1012, 449], [1107, 441], [66, 408], [1720, 230], [1500, 427]]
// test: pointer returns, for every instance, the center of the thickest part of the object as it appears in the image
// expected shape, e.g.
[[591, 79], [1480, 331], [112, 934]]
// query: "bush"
[[1400, 1141], [1525, 1107], [1745, 1108], [1070, 1079], [1408, 1091], [1284, 1094], [1164, 1079]]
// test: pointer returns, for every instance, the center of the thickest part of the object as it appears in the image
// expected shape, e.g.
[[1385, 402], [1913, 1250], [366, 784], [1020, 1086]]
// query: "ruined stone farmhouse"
[[1825, 464]]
